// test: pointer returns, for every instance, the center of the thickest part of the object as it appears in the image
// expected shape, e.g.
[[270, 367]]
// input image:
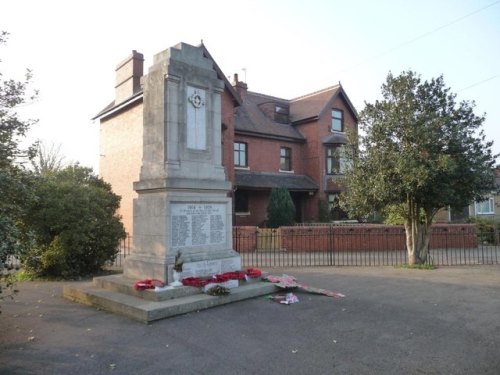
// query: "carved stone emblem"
[[196, 100]]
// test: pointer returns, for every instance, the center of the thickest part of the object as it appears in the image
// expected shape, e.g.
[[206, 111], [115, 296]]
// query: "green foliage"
[[74, 220], [422, 151], [280, 209], [16, 194], [15, 183], [22, 275], [12, 127], [218, 290], [324, 212], [487, 230], [394, 214], [425, 266]]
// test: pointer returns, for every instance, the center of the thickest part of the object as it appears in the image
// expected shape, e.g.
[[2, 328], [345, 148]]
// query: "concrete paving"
[[392, 321]]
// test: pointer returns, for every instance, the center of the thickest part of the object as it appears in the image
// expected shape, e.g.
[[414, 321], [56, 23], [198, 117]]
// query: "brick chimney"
[[128, 76], [240, 87]]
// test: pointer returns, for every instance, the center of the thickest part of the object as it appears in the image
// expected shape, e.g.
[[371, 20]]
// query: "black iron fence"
[[352, 245], [123, 252], [360, 246]]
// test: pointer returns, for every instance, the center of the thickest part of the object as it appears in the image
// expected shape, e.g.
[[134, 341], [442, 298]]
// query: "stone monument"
[[182, 202]]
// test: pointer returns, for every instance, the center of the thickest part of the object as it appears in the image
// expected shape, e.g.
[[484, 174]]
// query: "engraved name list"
[[198, 224]]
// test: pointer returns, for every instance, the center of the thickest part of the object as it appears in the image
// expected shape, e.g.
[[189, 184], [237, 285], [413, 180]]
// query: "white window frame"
[[491, 206]]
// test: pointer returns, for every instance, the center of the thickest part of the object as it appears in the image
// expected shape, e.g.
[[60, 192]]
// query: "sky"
[[283, 48]]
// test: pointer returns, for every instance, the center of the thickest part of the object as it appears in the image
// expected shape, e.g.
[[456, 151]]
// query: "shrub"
[[280, 210], [74, 222], [486, 230], [323, 212]]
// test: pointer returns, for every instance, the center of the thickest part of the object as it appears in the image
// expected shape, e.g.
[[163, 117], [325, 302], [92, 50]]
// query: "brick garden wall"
[[353, 238]]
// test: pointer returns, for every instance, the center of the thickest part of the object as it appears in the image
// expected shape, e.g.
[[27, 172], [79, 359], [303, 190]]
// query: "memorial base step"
[[117, 294]]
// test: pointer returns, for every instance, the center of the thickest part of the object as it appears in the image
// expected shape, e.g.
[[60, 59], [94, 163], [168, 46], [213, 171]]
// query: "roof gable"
[[312, 106], [221, 76]]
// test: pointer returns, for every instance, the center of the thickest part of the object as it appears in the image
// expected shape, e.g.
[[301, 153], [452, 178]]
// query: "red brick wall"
[[264, 154], [121, 157], [228, 135], [245, 238], [359, 238], [372, 237], [258, 210], [314, 156], [311, 150]]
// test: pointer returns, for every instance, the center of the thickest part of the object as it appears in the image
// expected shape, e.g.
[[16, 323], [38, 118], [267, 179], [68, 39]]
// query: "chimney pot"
[[240, 87]]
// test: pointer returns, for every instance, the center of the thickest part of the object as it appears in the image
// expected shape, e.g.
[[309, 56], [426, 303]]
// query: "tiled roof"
[[113, 106], [264, 180], [311, 105], [104, 110], [335, 138], [250, 119]]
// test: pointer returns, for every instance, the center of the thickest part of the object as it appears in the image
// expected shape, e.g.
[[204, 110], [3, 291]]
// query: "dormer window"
[[337, 120], [281, 114]]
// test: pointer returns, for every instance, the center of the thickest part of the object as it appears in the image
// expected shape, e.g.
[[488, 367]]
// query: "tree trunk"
[[417, 241], [418, 234]]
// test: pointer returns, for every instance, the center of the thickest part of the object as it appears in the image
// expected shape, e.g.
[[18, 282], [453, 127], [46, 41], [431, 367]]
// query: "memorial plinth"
[[182, 201]]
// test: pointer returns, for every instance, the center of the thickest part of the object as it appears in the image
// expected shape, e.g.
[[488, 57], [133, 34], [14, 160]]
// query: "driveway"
[[392, 321]]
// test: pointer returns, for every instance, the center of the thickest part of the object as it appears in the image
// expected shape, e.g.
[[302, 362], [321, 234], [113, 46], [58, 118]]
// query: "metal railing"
[[123, 252], [369, 246], [351, 246]]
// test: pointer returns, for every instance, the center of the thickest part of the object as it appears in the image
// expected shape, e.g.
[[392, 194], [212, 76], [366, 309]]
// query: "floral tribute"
[[251, 273], [148, 284]]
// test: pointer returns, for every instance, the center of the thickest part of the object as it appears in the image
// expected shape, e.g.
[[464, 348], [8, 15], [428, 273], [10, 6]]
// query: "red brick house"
[[295, 144], [267, 142]]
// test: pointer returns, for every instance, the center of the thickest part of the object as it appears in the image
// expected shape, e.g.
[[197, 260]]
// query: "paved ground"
[[393, 321]]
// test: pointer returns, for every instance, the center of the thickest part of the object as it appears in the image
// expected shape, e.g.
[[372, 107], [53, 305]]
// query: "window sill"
[[285, 171], [242, 213], [242, 168]]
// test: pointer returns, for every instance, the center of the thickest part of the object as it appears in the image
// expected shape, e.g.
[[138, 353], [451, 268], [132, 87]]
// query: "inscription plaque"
[[198, 224]]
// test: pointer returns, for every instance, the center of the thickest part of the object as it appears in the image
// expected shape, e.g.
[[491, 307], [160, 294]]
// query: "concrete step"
[[121, 284], [146, 310]]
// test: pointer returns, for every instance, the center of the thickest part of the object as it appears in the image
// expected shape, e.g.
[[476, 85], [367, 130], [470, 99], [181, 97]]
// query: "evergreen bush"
[[280, 210]]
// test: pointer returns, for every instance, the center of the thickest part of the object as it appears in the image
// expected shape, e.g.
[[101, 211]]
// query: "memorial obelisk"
[[182, 202]]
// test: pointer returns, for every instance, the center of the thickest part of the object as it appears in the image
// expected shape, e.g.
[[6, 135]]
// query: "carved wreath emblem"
[[196, 100]]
